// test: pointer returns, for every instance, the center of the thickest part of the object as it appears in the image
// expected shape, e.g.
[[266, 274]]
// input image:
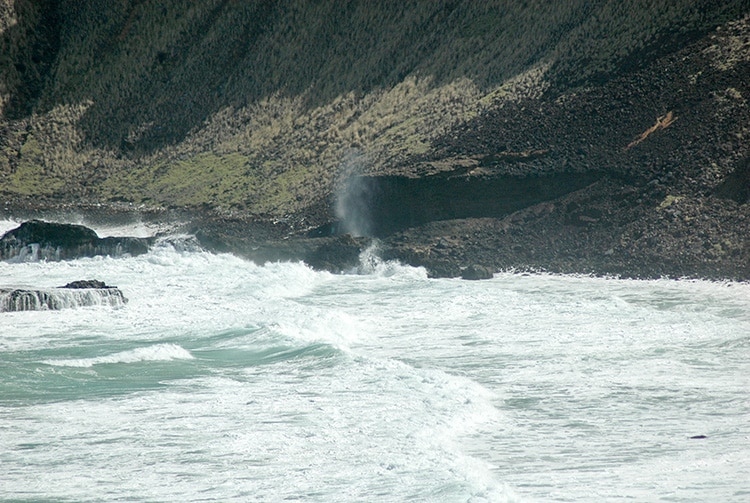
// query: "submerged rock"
[[75, 294], [39, 240]]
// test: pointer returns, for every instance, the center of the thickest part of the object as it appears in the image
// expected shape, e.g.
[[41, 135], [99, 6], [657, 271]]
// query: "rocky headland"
[[584, 138]]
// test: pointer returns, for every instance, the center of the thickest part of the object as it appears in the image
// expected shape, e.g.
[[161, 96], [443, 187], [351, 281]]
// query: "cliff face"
[[605, 132]]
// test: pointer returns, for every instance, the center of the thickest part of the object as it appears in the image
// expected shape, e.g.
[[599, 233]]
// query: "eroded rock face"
[[39, 240]]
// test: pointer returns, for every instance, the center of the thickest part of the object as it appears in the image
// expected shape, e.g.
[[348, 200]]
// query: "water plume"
[[354, 197]]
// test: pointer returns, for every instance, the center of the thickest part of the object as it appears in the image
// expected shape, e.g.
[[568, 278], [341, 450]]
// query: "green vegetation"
[[257, 105], [669, 201], [29, 177]]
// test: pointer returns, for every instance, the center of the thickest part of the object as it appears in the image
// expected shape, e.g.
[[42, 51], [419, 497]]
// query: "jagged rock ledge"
[[40, 240], [75, 294], [608, 228]]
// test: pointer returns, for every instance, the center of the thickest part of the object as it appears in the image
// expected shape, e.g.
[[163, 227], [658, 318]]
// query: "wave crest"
[[158, 352]]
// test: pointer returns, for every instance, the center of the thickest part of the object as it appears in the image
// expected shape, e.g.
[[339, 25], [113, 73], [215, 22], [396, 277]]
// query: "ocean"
[[222, 380]]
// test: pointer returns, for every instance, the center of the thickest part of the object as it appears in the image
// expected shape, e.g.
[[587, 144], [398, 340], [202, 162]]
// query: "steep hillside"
[[268, 110]]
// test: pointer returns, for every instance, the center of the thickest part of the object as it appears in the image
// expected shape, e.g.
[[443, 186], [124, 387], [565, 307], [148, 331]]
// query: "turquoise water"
[[221, 380]]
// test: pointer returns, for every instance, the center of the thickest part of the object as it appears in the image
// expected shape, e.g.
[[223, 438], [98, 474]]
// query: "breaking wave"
[[158, 352]]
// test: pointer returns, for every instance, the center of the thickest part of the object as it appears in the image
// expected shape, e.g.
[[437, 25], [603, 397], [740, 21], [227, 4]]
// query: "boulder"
[[39, 240], [87, 283]]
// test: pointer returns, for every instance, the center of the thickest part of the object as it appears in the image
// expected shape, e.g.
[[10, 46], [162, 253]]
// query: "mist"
[[354, 198]]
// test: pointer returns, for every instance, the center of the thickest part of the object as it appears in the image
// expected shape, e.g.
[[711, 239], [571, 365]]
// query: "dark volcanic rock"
[[381, 205], [39, 240], [86, 283], [264, 242], [334, 254], [474, 272], [736, 186], [606, 229]]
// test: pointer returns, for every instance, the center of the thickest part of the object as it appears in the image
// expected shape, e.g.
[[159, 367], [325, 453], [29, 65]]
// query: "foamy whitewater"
[[221, 380]]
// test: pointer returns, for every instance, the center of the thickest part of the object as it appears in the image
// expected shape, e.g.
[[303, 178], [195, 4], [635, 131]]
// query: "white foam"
[[576, 389], [8, 225], [136, 229], [340, 330], [370, 263], [158, 352]]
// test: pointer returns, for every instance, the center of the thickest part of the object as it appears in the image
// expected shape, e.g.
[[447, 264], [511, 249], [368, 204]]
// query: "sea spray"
[[354, 197], [371, 263]]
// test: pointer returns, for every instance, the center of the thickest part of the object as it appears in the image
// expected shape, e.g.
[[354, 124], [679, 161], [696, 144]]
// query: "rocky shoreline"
[[605, 229]]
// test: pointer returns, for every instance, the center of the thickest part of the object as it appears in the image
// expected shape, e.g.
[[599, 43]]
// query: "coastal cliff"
[[589, 137]]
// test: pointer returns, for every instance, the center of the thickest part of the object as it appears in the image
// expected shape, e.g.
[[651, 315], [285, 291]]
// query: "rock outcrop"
[[75, 294], [39, 240], [87, 283]]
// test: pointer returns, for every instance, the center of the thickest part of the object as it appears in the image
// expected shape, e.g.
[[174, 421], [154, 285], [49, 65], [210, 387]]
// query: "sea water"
[[222, 380]]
